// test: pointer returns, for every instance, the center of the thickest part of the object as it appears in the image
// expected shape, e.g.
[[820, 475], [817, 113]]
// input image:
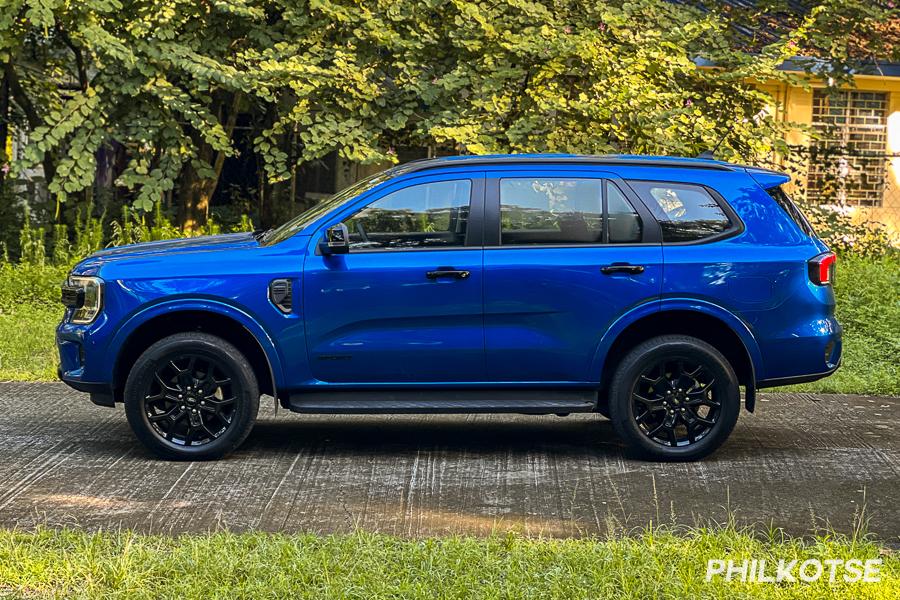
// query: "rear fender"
[[737, 325]]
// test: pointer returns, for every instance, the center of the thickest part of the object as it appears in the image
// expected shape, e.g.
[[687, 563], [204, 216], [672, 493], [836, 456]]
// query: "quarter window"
[[785, 202], [685, 212], [564, 211], [427, 215]]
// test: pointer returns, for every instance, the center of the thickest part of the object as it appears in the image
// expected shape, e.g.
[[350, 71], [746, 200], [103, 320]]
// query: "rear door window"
[[686, 212], [623, 222], [571, 211]]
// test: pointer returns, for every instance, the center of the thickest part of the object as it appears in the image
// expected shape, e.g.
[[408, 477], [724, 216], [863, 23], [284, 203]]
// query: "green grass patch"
[[29, 313], [866, 288], [25, 354], [655, 564]]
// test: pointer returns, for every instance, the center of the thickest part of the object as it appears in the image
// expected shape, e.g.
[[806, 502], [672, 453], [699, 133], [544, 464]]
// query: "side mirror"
[[337, 240]]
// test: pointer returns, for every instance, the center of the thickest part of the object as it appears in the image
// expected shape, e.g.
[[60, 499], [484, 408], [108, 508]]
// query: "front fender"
[[207, 305], [681, 304]]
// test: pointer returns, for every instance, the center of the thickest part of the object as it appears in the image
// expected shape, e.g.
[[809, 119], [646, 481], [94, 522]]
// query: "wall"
[[794, 104]]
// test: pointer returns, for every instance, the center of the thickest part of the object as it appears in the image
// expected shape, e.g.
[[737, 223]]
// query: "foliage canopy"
[[150, 92]]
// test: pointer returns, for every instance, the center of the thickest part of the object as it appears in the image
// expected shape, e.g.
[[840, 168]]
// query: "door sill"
[[534, 402]]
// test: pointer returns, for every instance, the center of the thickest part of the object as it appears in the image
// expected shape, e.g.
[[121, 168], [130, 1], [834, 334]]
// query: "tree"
[[164, 82]]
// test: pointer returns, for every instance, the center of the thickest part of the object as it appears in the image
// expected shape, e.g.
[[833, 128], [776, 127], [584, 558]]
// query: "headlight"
[[84, 295]]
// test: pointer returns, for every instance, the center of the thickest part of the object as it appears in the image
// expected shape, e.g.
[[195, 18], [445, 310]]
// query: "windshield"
[[308, 216]]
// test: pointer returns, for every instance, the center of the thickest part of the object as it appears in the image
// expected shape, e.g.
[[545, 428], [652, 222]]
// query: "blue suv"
[[646, 289]]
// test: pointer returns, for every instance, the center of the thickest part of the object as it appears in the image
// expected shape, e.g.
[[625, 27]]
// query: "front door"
[[566, 254], [405, 304]]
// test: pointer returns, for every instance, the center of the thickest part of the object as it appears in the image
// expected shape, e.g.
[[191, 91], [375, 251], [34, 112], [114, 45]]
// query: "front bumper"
[[101, 393], [81, 362]]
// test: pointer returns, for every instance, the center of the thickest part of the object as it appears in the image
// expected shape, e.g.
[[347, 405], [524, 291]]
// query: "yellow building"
[[854, 143]]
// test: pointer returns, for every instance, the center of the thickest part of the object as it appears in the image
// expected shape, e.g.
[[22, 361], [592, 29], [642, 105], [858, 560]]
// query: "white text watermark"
[[793, 571]]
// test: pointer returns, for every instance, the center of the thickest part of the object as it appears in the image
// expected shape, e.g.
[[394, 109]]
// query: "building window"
[[849, 164]]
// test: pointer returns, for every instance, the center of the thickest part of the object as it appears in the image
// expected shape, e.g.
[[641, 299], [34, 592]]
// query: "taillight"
[[821, 268]]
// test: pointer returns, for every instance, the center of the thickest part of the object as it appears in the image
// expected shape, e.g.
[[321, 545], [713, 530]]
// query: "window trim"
[[651, 234], [737, 224], [474, 227]]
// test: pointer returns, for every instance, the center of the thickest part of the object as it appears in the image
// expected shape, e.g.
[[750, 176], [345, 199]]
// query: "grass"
[[29, 313], [653, 564], [25, 354], [867, 296]]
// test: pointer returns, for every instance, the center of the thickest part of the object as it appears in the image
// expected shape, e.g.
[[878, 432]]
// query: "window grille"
[[848, 165]]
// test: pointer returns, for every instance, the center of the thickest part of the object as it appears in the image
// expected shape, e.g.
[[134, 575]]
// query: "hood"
[[164, 248], [206, 243]]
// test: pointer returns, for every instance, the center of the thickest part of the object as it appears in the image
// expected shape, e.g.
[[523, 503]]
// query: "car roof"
[[679, 162]]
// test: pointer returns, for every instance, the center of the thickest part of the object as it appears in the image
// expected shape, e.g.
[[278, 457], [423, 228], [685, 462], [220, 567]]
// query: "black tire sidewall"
[[725, 388], [229, 358]]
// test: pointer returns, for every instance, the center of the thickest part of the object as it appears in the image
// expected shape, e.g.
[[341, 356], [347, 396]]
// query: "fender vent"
[[281, 295]]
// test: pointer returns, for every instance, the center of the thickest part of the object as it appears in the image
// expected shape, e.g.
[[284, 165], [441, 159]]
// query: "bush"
[[32, 285], [842, 234]]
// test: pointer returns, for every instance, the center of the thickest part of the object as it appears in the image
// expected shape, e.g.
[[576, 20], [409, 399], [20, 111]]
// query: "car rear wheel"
[[191, 396], [674, 397]]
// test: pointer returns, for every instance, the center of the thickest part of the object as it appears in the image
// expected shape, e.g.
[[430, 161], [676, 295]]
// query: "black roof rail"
[[611, 160]]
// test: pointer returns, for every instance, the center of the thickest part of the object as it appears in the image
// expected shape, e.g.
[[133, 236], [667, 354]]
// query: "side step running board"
[[444, 401]]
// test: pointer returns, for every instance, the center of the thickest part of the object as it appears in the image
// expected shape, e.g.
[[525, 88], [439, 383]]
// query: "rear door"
[[566, 254], [405, 305]]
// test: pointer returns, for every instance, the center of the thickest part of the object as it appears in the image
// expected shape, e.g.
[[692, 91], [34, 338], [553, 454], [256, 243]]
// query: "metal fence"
[[865, 185]]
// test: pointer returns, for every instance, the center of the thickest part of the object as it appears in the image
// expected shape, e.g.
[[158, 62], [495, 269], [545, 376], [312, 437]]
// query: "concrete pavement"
[[802, 461]]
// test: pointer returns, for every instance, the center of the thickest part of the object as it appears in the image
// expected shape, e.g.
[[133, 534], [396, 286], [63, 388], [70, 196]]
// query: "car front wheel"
[[674, 397], [191, 396]]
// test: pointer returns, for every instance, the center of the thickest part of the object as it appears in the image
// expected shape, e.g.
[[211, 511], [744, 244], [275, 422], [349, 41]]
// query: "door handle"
[[622, 268], [447, 273]]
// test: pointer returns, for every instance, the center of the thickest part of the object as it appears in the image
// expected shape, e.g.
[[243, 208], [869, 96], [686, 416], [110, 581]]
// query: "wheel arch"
[[703, 320], [222, 320]]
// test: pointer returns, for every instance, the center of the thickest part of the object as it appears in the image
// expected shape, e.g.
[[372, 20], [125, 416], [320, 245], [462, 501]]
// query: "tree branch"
[[79, 58]]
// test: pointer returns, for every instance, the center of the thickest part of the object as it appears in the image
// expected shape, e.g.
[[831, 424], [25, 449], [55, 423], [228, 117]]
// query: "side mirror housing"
[[336, 240]]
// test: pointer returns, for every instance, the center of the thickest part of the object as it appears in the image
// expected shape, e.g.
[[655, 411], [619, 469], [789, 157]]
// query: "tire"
[[191, 396], [689, 413], [603, 405]]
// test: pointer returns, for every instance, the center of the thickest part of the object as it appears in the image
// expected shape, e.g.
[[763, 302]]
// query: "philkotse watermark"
[[793, 571]]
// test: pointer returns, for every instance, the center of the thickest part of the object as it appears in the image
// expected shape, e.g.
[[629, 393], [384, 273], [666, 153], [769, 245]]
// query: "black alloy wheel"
[[674, 397], [191, 396], [674, 403], [191, 400]]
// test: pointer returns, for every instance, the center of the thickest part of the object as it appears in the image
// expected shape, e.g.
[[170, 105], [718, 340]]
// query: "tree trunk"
[[189, 191], [31, 115], [195, 193], [4, 126], [210, 185]]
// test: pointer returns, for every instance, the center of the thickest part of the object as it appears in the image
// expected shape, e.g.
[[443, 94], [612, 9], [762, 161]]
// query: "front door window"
[[429, 215]]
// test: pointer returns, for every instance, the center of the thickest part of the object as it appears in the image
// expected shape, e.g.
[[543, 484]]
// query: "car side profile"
[[646, 289]]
